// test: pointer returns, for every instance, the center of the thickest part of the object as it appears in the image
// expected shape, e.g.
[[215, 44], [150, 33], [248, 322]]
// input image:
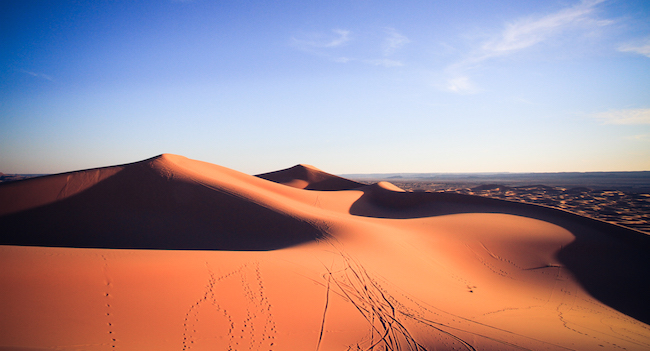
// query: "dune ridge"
[[171, 253], [310, 178], [146, 205]]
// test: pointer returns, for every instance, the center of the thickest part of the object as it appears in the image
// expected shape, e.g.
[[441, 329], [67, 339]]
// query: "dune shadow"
[[611, 262], [139, 209], [309, 178]]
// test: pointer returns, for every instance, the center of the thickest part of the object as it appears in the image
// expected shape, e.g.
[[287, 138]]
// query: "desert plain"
[[171, 253]]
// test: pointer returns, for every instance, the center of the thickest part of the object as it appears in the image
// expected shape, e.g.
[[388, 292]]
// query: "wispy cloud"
[[37, 75], [626, 116], [384, 62], [333, 46], [343, 37], [641, 47], [527, 32], [461, 85], [338, 38], [393, 41], [639, 137], [524, 33], [342, 59]]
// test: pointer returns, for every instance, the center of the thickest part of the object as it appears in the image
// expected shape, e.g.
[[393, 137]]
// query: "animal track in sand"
[[108, 298], [234, 313]]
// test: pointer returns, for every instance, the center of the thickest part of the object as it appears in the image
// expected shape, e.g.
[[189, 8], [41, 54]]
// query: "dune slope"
[[310, 178], [154, 204], [175, 254]]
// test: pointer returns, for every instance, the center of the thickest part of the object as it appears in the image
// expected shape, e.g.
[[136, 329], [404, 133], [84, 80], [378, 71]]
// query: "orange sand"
[[90, 262]]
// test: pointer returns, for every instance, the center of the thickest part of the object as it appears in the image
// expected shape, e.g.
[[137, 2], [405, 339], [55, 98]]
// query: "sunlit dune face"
[[280, 267]]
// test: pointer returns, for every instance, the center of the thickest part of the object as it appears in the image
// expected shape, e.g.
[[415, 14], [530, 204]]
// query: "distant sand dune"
[[175, 254], [310, 178]]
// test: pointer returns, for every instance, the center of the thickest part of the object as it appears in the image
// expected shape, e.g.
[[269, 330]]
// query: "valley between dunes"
[[171, 253]]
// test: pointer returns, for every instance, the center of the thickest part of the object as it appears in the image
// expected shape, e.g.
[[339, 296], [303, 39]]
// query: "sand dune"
[[310, 178], [175, 254], [157, 204]]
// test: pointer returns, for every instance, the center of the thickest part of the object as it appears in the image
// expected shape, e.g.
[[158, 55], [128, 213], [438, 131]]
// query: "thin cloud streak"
[[384, 63], [528, 32], [393, 42], [37, 75], [461, 85], [521, 35], [642, 48], [319, 45], [342, 37], [640, 137], [625, 117]]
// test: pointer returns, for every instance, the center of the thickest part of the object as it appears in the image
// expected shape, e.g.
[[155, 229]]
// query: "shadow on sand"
[[139, 209], [611, 262]]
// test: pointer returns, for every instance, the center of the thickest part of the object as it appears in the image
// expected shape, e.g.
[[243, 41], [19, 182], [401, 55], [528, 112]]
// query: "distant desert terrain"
[[171, 253], [623, 207]]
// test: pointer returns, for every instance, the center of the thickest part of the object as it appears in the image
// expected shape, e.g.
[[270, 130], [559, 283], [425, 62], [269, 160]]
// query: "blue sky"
[[354, 86]]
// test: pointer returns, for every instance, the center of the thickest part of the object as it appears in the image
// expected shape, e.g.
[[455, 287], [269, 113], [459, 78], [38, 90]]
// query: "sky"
[[357, 86]]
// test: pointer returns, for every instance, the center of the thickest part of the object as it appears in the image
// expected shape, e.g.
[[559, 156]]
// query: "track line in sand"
[[388, 317], [327, 300], [253, 330], [108, 298]]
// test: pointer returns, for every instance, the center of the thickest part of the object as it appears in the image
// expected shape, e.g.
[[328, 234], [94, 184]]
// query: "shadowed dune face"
[[605, 258], [145, 206], [309, 178]]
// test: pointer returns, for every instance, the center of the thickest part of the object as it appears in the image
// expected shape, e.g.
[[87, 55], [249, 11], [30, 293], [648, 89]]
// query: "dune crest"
[[171, 253], [310, 178], [34, 192], [158, 203], [389, 186]]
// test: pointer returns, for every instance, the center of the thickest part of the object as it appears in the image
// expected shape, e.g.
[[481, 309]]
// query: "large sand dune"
[[176, 254]]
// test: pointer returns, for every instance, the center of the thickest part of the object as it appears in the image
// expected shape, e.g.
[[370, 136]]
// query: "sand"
[[617, 203], [175, 254]]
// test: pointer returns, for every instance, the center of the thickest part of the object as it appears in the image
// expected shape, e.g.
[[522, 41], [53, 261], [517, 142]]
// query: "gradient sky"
[[354, 86]]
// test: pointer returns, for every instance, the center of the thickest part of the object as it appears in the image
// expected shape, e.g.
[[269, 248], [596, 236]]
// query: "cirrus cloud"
[[625, 116], [524, 33], [531, 31], [333, 47], [37, 75], [461, 85], [384, 62], [339, 38], [393, 41], [641, 47]]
